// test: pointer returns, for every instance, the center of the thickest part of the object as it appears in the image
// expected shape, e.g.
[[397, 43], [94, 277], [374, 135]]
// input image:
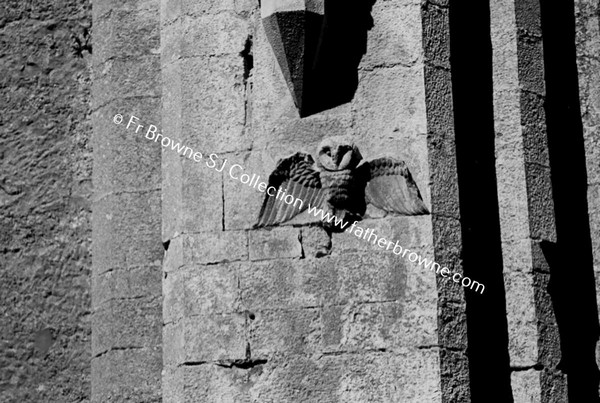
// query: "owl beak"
[[336, 158]]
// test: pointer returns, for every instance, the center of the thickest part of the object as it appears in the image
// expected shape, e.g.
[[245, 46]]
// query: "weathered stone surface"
[[280, 283], [407, 232], [173, 283], [121, 284], [205, 35], [138, 325], [211, 290], [277, 243], [289, 331], [215, 247], [436, 31], [214, 104], [116, 224], [131, 375], [215, 337], [526, 386], [379, 110], [386, 44], [135, 39], [522, 321], [45, 200], [127, 207]]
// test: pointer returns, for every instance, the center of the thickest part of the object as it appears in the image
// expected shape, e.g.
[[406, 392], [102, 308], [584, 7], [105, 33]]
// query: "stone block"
[[436, 35], [118, 78], [173, 384], [407, 375], [116, 218], [531, 65], [173, 296], [243, 201], [202, 192], [373, 326], [204, 35], [452, 320], [437, 83], [133, 32], [284, 284], [132, 323], [219, 384], [173, 257], [528, 18], [215, 337], [526, 386], [541, 205], [123, 159], [447, 239], [347, 278], [404, 376], [379, 109], [173, 346], [521, 318], [395, 37], [517, 255], [214, 103], [135, 282], [215, 247], [454, 367], [291, 331], [211, 290], [131, 375], [276, 243], [408, 232], [512, 198], [443, 177]]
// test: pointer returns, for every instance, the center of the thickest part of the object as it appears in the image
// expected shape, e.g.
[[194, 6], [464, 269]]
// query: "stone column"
[[254, 314], [445, 217], [127, 249], [588, 48], [525, 198]]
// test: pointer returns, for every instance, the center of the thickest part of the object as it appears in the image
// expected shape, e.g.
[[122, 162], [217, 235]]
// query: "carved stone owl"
[[339, 186]]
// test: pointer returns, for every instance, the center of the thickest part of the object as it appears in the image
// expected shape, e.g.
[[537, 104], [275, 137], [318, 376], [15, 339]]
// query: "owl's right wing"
[[390, 187], [296, 176]]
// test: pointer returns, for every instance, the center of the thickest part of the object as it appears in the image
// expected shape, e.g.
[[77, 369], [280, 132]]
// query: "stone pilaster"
[[525, 198], [127, 249], [587, 41]]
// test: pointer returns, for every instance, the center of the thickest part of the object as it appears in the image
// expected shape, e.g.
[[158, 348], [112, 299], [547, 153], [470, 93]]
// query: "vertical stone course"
[[525, 196], [127, 250], [445, 212], [587, 39]]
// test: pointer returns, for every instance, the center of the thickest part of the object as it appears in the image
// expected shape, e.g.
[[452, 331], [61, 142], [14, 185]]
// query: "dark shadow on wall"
[[572, 285], [472, 92], [332, 79]]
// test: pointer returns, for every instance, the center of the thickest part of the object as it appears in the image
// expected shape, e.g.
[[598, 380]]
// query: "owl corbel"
[[340, 185]]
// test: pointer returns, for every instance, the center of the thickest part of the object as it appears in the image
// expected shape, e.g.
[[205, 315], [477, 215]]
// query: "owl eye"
[[327, 151]]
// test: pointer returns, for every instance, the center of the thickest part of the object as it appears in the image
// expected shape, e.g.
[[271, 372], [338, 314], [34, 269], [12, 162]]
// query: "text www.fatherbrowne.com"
[[254, 181]]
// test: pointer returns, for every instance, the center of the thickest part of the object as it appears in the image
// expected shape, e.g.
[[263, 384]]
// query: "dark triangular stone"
[[294, 38]]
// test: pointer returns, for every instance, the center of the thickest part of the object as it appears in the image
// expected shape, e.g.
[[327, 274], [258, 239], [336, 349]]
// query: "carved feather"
[[390, 187], [296, 176]]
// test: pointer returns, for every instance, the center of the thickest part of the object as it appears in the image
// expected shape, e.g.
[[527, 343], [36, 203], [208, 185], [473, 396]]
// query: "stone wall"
[[45, 193], [497, 120], [254, 314]]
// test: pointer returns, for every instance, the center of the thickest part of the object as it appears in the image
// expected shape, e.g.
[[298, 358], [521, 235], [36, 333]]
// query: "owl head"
[[337, 153]]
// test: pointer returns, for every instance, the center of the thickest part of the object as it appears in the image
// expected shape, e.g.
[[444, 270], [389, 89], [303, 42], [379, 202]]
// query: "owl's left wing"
[[296, 176], [390, 187]]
